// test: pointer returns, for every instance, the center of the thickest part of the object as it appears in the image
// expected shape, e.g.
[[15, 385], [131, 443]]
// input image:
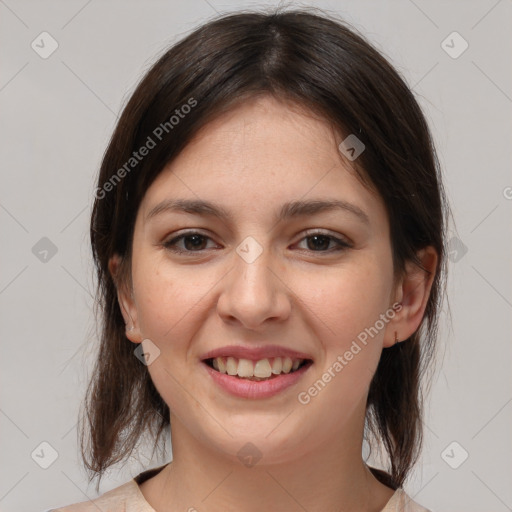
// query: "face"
[[261, 280]]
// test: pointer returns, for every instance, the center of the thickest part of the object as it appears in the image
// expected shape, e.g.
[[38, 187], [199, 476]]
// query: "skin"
[[296, 294]]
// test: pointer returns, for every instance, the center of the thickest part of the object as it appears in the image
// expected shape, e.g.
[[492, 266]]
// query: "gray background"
[[57, 115]]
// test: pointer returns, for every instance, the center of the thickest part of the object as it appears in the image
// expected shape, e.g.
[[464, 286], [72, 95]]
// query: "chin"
[[263, 446]]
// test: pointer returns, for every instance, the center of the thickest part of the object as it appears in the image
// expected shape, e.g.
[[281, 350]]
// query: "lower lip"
[[256, 389]]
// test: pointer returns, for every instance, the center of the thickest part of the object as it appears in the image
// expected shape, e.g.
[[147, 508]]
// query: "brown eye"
[[321, 242], [192, 242], [318, 242]]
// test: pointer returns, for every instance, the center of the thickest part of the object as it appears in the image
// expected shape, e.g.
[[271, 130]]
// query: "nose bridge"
[[253, 294]]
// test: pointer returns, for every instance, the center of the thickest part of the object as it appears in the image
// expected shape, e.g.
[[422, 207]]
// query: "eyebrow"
[[288, 210]]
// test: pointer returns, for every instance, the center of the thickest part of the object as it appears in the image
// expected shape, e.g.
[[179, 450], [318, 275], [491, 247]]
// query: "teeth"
[[287, 364], [231, 365], [262, 369], [277, 366], [221, 364], [245, 368]]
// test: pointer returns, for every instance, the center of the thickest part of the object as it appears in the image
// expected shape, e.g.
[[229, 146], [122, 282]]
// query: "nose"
[[254, 294]]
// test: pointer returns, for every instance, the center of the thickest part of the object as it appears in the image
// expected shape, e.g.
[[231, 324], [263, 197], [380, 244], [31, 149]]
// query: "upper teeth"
[[263, 368]]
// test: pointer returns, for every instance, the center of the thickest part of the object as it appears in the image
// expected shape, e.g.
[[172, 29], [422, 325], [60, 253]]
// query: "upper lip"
[[254, 353]]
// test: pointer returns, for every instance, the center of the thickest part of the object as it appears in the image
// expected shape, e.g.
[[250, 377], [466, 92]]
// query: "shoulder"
[[125, 498], [401, 502]]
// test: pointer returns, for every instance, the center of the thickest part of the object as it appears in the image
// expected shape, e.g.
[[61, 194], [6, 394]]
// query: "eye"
[[319, 242], [194, 241]]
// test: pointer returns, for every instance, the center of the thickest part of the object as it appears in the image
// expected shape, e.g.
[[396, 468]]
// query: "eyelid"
[[336, 236], [341, 241], [178, 236]]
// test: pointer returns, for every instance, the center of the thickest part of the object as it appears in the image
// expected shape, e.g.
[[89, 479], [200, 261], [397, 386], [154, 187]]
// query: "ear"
[[125, 300], [412, 292]]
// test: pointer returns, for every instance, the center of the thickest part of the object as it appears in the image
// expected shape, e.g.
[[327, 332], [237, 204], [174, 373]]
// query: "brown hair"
[[315, 61]]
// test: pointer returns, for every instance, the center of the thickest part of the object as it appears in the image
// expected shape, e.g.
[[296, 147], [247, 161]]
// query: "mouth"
[[265, 369]]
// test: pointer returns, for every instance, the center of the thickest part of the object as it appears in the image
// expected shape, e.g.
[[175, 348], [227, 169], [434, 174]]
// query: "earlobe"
[[413, 293], [125, 301], [130, 318]]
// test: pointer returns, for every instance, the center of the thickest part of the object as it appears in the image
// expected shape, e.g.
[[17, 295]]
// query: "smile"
[[263, 378], [262, 369]]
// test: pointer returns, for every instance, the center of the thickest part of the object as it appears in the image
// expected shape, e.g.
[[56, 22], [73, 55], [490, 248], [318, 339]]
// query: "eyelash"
[[171, 244]]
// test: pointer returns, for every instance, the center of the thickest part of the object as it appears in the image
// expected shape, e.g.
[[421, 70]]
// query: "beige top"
[[129, 498]]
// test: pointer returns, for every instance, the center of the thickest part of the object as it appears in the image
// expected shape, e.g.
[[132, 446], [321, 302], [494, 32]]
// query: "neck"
[[200, 478]]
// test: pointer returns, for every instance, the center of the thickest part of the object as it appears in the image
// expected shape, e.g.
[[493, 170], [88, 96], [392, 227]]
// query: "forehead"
[[263, 154]]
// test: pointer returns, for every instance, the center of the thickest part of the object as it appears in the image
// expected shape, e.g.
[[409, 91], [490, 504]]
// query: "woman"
[[268, 231]]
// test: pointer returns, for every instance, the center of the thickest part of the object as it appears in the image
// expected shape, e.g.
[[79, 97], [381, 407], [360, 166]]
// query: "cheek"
[[171, 305], [347, 301], [346, 309], [161, 301], [344, 316], [156, 306], [165, 305]]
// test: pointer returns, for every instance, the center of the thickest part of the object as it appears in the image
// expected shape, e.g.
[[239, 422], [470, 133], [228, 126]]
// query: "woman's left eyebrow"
[[288, 210]]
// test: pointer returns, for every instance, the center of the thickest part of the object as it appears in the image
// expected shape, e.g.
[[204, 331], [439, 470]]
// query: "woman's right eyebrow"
[[289, 210]]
